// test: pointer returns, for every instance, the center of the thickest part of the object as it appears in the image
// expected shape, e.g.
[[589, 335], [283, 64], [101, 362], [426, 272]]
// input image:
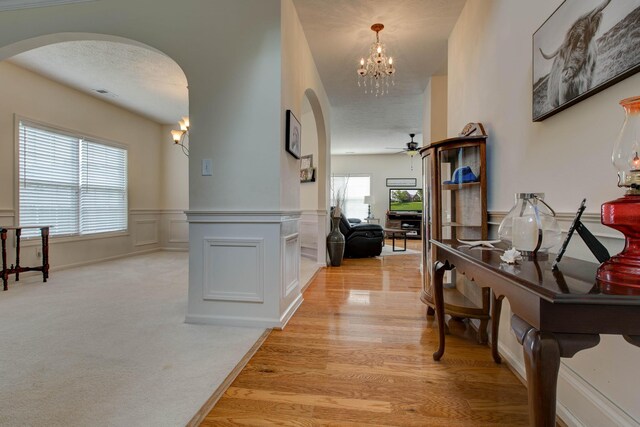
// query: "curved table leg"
[[496, 308], [438, 297], [542, 361]]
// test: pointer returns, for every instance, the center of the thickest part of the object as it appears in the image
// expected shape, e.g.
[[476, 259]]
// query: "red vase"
[[621, 273]]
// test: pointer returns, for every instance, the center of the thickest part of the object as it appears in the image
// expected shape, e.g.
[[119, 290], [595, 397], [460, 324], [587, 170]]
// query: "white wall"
[[566, 156], [380, 167], [34, 97]]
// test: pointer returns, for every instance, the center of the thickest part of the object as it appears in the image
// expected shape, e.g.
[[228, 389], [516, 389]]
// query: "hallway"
[[358, 352]]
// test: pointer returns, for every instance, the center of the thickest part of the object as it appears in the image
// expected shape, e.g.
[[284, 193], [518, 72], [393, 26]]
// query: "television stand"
[[411, 222]]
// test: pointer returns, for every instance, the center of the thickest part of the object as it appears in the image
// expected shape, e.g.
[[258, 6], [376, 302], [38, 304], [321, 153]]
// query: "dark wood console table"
[[555, 313], [17, 268]]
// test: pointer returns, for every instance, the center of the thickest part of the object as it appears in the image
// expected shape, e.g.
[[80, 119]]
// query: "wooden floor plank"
[[358, 352]]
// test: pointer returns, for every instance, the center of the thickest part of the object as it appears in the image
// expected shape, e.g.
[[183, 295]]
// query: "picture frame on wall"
[[293, 143], [584, 47], [402, 182], [307, 171]]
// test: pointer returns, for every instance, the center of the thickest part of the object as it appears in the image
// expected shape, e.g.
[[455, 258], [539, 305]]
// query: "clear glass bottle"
[[530, 226]]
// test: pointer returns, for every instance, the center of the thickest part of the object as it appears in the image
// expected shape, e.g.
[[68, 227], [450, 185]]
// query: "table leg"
[[438, 298], [44, 232], [5, 275], [542, 351], [18, 233], [542, 361], [496, 308]]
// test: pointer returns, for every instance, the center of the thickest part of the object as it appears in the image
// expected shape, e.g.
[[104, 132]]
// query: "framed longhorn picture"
[[584, 47]]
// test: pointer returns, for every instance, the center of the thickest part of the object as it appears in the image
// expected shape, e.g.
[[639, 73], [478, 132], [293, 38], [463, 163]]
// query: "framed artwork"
[[402, 182], [584, 47], [308, 175], [293, 143], [307, 171]]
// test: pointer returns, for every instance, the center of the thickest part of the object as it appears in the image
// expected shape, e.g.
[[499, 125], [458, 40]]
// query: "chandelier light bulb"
[[377, 68]]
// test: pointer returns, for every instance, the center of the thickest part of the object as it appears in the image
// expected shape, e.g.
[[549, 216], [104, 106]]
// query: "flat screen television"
[[405, 200]]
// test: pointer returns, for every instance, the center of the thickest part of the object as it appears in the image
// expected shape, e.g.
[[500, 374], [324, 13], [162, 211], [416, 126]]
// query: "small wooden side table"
[[17, 269], [372, 220], [397, 233]]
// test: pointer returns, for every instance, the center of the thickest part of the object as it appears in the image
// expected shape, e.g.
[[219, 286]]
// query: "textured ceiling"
[[415, 35], [136, 78], [338, 32]]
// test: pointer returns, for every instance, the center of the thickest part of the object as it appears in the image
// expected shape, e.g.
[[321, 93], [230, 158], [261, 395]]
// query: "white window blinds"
[[103, 188], [75, 185]]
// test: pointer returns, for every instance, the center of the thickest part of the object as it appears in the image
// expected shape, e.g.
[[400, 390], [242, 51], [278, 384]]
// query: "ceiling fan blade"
[[394, 148]]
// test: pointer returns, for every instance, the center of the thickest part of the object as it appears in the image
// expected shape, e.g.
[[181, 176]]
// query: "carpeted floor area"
[[107, 345]]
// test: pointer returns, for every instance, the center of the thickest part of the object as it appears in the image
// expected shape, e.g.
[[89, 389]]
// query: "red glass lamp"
[[621, 273]]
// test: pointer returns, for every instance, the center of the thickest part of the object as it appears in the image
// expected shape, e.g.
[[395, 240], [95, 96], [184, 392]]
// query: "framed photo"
[[306, 162], [402, 182], [584, 47], [294, 141], [308, 175]]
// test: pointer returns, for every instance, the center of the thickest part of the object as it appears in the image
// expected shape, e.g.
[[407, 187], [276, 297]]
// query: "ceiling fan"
[[410, 150]]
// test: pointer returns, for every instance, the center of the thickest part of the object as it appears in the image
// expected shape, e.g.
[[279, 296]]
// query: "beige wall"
[[309, 190], [438, 108], [31, 96], [566, 156], [299, 75]]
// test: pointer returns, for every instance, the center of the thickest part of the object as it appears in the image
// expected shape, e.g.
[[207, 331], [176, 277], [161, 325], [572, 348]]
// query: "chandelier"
[[178, 135], [378, 69]]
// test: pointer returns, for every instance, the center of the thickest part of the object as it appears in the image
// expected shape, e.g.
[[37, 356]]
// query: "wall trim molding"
[[155, 211], [235, 217], [597, 403], [28, 4], [564, 218]]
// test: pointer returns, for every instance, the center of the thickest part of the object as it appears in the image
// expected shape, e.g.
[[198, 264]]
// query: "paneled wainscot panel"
[[291, 260], [146, 232], [233, 269]]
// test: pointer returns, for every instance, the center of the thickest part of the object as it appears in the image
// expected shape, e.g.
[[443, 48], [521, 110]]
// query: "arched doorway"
[[115, 92], [314, 195]]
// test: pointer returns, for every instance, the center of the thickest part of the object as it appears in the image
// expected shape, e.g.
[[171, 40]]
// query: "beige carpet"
[[107, 345]]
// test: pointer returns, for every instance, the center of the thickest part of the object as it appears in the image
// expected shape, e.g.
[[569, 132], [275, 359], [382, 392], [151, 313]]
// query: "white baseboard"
[[580, 405], [175, 249], [247, 322], [290, 311]]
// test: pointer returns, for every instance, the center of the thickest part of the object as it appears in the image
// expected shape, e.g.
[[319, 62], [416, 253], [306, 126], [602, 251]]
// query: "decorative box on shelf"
[[455, 208]]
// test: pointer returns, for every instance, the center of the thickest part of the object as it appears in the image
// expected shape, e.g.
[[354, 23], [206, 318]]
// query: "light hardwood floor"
[[358, 352]]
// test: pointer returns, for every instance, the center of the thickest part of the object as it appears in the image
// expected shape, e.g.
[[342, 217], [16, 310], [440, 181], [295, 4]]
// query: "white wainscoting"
[[290, 264], [244, 267], [178, 231], [233, 269], [146, 232], [313, 235]]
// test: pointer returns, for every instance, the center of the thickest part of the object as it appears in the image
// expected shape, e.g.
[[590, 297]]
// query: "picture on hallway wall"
[[584, 47], [294, 135]]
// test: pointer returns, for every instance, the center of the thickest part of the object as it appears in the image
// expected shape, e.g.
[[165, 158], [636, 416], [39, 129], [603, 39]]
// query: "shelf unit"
[[455, 208], [410, 221]]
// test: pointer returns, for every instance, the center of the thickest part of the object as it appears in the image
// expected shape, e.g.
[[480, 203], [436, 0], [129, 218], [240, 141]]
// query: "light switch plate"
[[207, 167]]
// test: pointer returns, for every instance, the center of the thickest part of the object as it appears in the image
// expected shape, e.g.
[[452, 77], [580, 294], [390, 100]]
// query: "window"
[[77, 185], [356, 188]]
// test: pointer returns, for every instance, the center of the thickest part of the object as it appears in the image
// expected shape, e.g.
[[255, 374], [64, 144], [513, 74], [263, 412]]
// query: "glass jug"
[[530, 226]]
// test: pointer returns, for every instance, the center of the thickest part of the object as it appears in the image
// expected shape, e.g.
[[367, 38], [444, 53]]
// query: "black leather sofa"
[[361, 240]]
